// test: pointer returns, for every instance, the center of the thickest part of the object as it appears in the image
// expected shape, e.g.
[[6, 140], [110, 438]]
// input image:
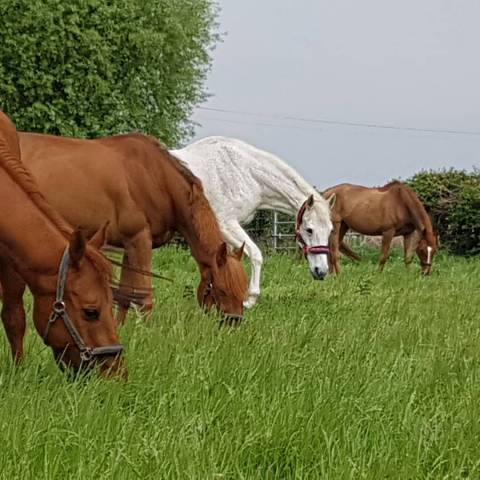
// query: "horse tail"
[[346, 250]]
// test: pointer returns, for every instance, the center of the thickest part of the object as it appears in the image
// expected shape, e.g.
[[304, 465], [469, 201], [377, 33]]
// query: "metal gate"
[[283, 234]]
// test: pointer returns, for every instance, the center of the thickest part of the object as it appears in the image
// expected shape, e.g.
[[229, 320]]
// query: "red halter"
[[314, 249]]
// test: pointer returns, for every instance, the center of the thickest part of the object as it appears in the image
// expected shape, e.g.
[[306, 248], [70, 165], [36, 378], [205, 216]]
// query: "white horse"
[[239, 179]]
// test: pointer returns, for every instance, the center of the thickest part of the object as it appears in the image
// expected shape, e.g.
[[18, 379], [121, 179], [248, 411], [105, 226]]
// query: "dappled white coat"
[[240, 179]]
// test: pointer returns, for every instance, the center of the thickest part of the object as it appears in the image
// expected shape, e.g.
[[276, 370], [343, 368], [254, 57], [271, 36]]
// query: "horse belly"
[[367, 221]]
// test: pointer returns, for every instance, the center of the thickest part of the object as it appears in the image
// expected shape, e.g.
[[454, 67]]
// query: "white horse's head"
[[313, 233]]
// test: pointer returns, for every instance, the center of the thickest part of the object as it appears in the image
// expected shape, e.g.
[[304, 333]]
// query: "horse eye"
[[309, 231], [91, 314]]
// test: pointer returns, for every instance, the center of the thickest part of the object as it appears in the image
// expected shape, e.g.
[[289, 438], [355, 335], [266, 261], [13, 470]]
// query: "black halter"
[[59, 311], [227, 318]]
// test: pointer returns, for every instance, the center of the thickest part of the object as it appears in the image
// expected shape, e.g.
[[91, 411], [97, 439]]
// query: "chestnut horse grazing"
[[240, 179], [389, 211], [146, 195], [69, 279]]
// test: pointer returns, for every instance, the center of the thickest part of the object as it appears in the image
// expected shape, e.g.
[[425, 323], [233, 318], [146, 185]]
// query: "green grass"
[[363, 376]]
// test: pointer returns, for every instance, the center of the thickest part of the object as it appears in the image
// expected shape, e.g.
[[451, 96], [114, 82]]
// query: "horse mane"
[[203, 217], [180, 166], [236, 281], [17, 171], [414, 205]]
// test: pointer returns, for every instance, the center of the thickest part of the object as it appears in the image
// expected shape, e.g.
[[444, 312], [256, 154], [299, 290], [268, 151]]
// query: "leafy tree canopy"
[[91, 68]]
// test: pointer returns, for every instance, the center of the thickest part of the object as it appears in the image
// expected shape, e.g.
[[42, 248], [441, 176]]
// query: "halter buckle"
[[58, 307], [86, 355]]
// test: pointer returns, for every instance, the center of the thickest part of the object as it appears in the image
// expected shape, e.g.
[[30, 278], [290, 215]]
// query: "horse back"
[[370, 211], [83, 179]]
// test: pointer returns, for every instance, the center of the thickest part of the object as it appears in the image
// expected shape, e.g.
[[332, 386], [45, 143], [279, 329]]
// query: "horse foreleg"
[[136, 287], [13, 313], [387, 238], [236, 236], [410, 242], [335, 248]]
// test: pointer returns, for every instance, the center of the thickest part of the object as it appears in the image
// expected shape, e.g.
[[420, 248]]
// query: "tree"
[[90, 68]]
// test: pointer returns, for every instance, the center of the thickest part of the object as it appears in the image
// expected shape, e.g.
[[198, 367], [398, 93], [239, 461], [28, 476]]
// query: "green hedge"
[[90, 68], [452, 198]]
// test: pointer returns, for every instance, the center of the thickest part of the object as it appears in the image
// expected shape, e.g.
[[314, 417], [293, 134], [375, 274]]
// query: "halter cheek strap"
[[307, 249], [59, 312], [229, 318]]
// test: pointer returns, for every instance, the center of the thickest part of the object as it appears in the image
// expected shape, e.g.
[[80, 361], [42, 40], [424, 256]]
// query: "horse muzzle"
[[231, 320], [318, 274]]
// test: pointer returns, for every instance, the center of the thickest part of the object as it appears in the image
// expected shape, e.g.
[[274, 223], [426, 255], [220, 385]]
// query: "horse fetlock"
[[251, 300]]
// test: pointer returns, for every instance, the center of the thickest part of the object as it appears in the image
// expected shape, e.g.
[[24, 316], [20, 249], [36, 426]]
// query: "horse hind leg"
[[13, 313], [236, 236], [344, 248]]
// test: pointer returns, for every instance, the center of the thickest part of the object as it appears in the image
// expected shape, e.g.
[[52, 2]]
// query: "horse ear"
[[77, 247], [99, 239], [222, 254], [331, 201], [310, 201], [239, 253]]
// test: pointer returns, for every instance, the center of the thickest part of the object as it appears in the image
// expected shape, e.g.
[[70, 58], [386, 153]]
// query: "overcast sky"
[[405, 63]]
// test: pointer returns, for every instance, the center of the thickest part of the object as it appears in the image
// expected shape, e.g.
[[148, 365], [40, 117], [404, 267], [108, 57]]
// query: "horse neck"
[[27, 236], [283, 189], [421, 216]]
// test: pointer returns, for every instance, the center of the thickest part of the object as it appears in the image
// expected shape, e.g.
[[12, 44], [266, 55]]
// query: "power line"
[[343, 123], [260, 124]]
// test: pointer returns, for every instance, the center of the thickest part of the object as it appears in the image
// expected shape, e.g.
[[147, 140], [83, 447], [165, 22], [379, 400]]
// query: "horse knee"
[[256, 258]]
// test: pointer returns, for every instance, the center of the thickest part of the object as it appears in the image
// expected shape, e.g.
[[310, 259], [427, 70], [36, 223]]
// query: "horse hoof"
[[250, 302]]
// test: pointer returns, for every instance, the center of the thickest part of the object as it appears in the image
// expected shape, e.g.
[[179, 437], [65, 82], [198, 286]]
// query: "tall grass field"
[[364, 376]]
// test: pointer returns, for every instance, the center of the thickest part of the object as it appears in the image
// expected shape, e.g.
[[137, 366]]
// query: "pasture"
[[364, 376]]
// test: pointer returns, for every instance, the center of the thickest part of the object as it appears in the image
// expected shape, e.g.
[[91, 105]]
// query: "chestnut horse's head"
[[225, 285], [426, 249], [313, 228], [77, 320]]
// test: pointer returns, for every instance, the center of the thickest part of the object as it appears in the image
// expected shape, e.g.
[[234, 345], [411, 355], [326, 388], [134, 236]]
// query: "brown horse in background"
[[389, 211], [147, 195], [33, 240]]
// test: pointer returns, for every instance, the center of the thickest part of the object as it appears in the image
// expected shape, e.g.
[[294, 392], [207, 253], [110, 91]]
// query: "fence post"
[[275, 231]]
